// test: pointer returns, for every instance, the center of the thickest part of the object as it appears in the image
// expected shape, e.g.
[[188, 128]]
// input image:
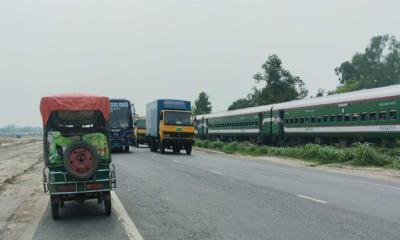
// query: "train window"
[[296, 120], [363, 116], [286, 121], [372, 116], [332, 118], [339, 117], [347, 117], [319, 119], [312, 119], [326, 118], [392, 114], [307, 120], [301, 120], [382, 116], [355, 117], [291, 121]]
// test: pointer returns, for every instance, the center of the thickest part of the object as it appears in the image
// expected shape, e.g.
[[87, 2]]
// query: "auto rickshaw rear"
[[76, 150]]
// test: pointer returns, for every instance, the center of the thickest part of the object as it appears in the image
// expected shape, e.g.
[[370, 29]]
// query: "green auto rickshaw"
[[76, 150]]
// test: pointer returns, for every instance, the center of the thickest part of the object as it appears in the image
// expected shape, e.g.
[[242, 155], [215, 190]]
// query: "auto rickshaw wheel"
[[81, 160], [99, 198], [107, 202], [55, 207]]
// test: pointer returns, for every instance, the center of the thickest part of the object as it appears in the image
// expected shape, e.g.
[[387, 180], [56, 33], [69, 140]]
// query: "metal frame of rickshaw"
[[47, 173]]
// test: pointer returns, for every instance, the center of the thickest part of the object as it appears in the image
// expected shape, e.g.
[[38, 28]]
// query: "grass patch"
[[359, 154]]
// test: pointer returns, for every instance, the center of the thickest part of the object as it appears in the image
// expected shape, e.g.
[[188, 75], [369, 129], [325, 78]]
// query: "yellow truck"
[[169, 125], [140, 131]]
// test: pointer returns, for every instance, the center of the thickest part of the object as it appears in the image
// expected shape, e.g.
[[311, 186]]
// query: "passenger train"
[[368, 115]]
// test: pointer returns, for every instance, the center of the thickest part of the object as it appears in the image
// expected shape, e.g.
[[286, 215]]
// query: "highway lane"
[[80, 221], [217, 196]]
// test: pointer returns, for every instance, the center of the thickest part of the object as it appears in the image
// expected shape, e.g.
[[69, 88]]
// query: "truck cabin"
[[178, 118], [141, 123]]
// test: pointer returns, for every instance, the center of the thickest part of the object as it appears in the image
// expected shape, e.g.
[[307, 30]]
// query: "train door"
[[205, 128], [260, 138], [277, 125]]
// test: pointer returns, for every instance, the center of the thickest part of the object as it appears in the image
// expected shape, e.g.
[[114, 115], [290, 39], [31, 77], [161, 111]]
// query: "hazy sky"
[[144, 50]]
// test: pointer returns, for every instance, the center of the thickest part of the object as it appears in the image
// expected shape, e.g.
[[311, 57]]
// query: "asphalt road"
[[80, 221], [217, 196]]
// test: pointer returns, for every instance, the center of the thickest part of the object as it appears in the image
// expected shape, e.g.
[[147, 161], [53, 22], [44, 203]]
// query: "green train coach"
[[367, 115]]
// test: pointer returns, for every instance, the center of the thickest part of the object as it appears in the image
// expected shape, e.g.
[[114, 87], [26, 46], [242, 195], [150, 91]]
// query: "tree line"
[[12, 130], [377, 66]]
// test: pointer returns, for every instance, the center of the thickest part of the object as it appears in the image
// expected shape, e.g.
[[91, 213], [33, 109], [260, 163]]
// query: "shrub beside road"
[[359, 154]]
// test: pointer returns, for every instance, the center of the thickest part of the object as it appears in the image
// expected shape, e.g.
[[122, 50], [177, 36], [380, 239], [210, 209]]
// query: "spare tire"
[[81, 160]]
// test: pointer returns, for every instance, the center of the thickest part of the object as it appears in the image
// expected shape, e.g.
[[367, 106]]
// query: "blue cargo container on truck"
[[169, 125], [121, 124]]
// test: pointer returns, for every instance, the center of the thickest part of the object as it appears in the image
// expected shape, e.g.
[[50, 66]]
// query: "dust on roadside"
[[21, 191]]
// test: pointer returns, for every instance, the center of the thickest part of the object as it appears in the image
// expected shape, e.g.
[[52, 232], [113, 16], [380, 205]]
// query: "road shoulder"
[[370, 172]]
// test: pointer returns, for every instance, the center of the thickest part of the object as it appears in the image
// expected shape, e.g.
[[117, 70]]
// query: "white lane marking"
[[216, 172], [130, 228], [176, 161], [377, 184], [312, 199]]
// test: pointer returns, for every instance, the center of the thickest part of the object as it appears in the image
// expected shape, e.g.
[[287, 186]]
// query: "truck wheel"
[[55, 207], [126, 149], [162, 148], [176, 149], [188, 149], [153, 147], [107, 202], [81, 160]]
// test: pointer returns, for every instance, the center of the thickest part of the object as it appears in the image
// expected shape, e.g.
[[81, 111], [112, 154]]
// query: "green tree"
[[377, 66], [280, 84], [241, 103], [202, 105], [320, 93]]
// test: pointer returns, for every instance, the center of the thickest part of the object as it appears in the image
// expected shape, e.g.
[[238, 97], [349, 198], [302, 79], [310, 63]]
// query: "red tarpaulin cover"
[[74, 102]]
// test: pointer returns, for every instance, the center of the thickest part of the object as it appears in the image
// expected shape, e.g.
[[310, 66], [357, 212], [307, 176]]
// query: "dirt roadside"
[[21, 193], [371, 172]]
